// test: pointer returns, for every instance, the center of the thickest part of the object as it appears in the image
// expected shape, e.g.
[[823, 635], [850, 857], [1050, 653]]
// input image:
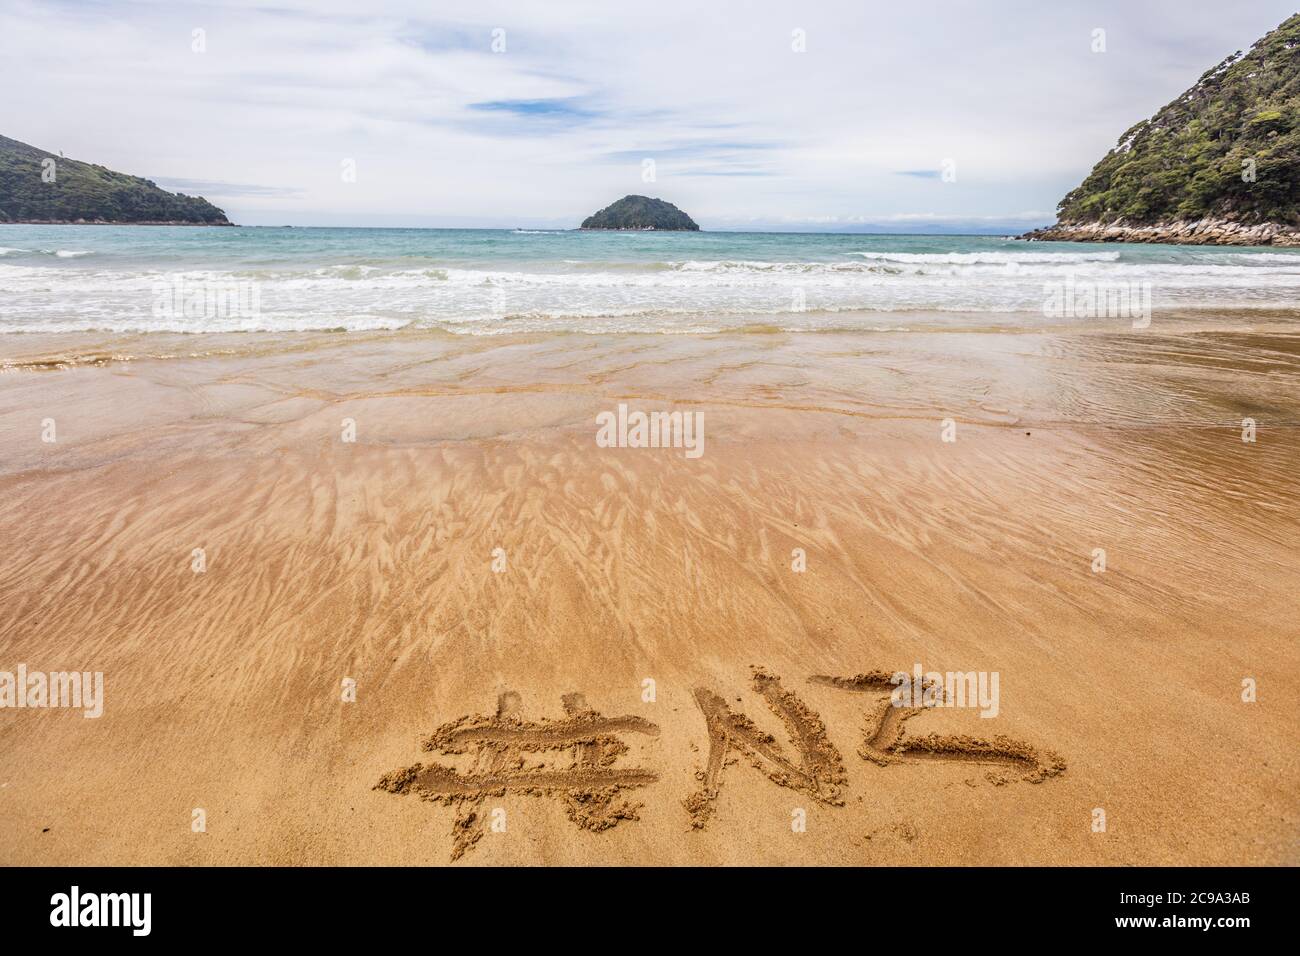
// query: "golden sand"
[[505, 594]]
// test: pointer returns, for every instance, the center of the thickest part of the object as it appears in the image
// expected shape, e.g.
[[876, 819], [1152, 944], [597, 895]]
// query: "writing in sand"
[[578, 759]]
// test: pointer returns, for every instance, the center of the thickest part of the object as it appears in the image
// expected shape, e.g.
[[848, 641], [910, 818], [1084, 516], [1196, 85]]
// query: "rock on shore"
[[1200, 232]]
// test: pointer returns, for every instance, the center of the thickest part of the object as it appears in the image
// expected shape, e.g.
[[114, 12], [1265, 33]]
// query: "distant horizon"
[[991, 232], [936, 227]]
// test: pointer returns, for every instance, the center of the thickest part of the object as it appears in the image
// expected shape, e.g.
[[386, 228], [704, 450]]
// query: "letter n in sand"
[[819, 772]]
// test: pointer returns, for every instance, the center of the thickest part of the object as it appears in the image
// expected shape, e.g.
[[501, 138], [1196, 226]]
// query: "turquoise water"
[[131, 279]]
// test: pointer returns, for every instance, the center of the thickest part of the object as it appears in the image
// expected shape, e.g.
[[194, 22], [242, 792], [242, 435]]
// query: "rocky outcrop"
[[1218, 165], [641, 213], [1201, 232]]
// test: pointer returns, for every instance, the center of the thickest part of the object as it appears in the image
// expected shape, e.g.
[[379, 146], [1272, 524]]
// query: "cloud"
[[442, 128], [207, 188]]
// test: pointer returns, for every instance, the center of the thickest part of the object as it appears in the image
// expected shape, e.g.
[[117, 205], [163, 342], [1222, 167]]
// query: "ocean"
[[484, 282]]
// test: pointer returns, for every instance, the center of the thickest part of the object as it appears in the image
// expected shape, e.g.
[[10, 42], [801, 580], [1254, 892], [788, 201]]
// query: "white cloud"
[[742, 128]]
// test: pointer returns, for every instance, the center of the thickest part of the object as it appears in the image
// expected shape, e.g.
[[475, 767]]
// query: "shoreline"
[[1198, 232], [109, 222]]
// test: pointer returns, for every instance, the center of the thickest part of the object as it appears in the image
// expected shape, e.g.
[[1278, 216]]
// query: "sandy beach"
[[472, 635]]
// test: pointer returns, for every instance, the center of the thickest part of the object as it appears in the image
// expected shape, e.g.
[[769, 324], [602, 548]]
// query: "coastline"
[[1197, 232], [372, 560], [109, 222]]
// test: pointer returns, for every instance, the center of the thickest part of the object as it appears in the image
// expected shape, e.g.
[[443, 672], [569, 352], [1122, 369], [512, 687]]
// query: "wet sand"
[[373, 561]]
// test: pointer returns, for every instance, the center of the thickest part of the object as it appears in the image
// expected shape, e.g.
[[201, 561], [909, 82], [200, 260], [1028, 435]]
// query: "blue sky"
[[536, 114]]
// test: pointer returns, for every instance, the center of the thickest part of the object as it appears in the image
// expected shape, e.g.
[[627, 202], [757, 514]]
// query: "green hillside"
[[84, 191], [1187, 162]]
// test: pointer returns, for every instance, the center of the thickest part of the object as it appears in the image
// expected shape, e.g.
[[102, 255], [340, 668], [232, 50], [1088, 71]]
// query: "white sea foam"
[[1258, 258], [991, 258], [65, 253], [670, 296]]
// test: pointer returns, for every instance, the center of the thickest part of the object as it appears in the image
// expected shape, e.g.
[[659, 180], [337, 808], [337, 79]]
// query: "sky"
[[841, 115]]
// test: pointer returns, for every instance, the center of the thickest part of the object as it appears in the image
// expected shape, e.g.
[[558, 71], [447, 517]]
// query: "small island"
[[641, 213]]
